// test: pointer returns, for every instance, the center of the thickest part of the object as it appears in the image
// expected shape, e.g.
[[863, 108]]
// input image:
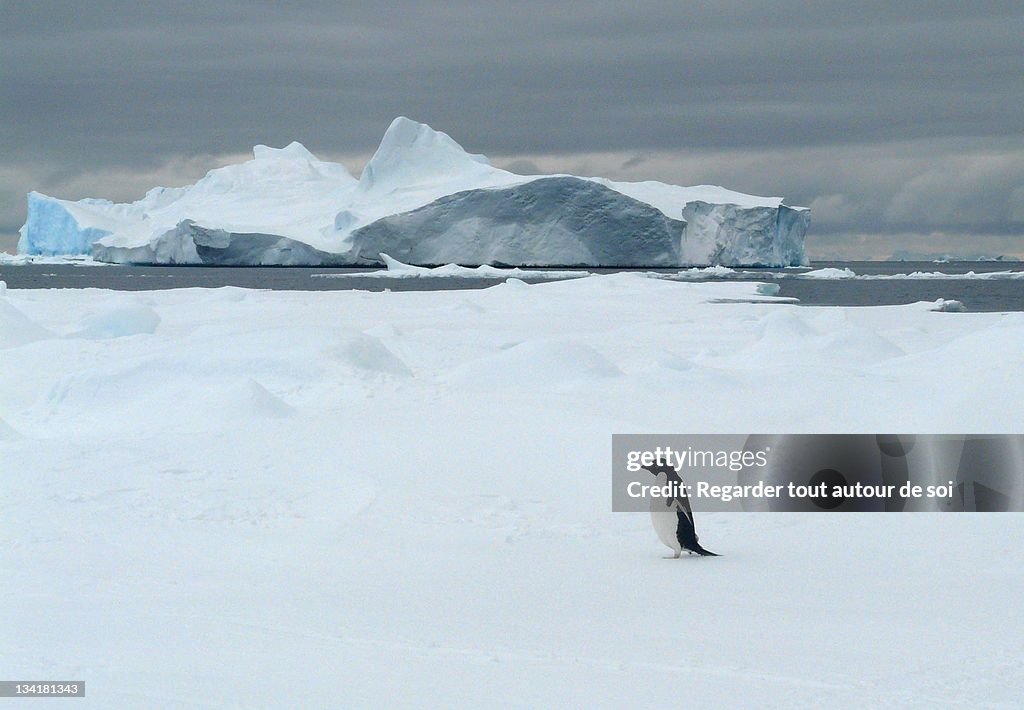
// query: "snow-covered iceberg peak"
[[293, 168], [292, 151], [413, 153]]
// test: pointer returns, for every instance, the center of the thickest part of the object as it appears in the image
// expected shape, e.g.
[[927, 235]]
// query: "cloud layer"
[[895, 122]]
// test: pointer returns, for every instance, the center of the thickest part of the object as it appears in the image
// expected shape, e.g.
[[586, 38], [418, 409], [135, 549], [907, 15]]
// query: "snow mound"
[[7, 432], [536, 364], [17, 329], [254, 398], [229, 294], [784, 329], [858, 345], [786, 336], [669, 360], [167, 393], [369, 355], [785, 324], [119, 322], [777, 338]]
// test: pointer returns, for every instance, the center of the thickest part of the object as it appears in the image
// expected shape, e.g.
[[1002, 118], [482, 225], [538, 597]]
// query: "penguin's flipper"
[[686, 534]]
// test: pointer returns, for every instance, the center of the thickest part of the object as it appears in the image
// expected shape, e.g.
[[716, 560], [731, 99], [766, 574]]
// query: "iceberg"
[[426, 201]]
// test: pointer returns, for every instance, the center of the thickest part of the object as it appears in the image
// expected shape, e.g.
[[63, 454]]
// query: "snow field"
[[226, 497]]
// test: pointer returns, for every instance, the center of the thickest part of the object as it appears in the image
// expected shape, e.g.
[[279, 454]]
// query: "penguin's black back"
[[686, 534]]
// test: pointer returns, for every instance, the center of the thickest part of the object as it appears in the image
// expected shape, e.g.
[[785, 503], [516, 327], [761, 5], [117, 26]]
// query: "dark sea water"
[[975, 294]]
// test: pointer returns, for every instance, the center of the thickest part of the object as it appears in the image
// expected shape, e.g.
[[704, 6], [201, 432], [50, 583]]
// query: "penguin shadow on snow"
[[672, 517]]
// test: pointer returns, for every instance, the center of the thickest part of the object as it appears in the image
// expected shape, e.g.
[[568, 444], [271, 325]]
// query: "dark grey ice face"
[[554, 221]]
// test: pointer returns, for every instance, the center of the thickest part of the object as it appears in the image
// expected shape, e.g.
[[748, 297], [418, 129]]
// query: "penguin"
[[673, 518]]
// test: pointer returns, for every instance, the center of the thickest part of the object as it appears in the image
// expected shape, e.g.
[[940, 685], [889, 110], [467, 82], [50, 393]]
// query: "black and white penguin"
[[673, 518]]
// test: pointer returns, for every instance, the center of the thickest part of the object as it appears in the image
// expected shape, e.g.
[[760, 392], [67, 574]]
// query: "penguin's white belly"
[[665, 524]]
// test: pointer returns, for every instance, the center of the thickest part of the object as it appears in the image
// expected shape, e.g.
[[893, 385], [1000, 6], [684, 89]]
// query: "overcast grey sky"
[[900, 124]]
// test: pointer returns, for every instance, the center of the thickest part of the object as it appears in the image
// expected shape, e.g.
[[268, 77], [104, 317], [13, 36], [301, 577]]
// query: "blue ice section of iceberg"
[[51, 229]]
